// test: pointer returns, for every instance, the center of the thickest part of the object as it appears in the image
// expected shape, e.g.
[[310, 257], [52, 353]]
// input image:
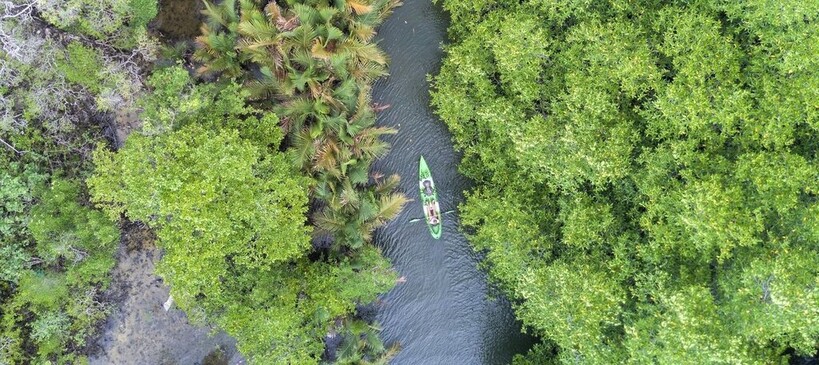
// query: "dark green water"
[[442, 313]]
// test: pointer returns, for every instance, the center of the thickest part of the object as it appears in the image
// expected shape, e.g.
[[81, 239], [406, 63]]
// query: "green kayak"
[[429, 199]]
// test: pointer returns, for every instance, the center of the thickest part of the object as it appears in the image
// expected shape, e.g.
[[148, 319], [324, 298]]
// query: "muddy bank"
[[139, 330]]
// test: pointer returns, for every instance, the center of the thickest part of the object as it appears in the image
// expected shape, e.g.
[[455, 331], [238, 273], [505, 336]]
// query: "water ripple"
[[442, 313]]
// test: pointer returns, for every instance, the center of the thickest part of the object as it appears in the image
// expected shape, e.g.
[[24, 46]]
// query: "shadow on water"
[[442, 314], [803, 360]]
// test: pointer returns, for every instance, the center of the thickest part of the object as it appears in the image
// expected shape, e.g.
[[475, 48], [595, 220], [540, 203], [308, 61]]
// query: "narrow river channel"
[[442, 314]]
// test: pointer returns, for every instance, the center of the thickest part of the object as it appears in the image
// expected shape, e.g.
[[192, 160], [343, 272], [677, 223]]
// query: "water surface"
[[442, 313]]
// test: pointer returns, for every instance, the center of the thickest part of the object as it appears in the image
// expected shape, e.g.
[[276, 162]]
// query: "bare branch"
[[24, 11], [79, 255], [766, 287], [12, 147]]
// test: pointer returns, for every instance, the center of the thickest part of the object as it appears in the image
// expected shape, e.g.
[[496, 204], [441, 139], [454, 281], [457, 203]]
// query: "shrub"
[[117, 20], [56, 304], [17, 181], [82, 65]]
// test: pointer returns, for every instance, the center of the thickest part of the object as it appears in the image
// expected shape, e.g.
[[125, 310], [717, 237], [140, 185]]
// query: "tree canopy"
[[230, 213], [647, 174], [203, 168], [317, 63]]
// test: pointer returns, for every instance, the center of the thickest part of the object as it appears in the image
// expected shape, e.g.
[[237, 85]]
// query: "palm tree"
[[303, 36], [216, 45], [352, 214], [362, 345], [261, 41], [330, 157], [368, 145], [317, 60]]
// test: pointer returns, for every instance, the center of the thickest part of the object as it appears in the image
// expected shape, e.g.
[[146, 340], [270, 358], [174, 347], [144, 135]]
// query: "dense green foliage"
[[313, 64], [19, 180], [647, 174], [230, 213], [317, 62], [121, 21], [206, 171], [57, 279], [56, 252]]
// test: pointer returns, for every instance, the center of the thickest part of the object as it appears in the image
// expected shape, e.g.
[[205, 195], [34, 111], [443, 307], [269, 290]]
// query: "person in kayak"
[[427, 187], [433, 219]]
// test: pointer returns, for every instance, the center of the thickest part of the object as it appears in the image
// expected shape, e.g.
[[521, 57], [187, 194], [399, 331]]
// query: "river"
[[442, 314]]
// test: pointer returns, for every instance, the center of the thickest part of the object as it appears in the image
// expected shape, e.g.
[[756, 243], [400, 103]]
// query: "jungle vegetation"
[[58, 76], [250, 158], [646, 173]]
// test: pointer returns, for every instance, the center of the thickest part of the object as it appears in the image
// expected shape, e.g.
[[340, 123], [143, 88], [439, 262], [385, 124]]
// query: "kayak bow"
[[429, 199]]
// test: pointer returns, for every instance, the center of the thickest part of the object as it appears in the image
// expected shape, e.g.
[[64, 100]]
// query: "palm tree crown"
[[314, 62]]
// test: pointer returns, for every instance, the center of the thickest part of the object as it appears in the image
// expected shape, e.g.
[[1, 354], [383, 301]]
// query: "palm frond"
[[359, 8], [368, 72], [385, 357], [262, 89], [254, 25], [223, 14], [364, 52], [387, 185], [301, 109], [362, 32], [363, 112], [304, 149], [327, 157], [349, 197], [338, 64], [390, 206], [358, 174], [368, 212], [306, 14], [368, 145], [329, 223], [318, 51]]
